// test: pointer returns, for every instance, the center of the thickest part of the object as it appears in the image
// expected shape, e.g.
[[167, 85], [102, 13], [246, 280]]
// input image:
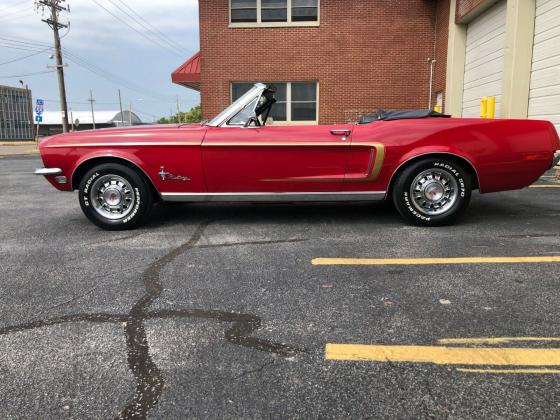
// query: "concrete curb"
[[18, 143]]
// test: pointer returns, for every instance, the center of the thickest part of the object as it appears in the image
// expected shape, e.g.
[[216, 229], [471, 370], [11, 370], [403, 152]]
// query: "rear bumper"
[[48, 171], [555, 158]]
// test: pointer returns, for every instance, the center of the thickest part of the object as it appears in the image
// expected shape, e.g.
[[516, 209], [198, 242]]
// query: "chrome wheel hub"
[[112, 197], [434, 191]]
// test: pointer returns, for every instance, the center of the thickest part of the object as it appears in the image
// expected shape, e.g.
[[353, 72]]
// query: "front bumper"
[[48, 171], [555, 158]]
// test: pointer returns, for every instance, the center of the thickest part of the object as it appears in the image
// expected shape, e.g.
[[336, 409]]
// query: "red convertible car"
[[427, 166]]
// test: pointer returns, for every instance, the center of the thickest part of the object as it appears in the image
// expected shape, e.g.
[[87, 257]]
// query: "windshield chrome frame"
[[255, 92]]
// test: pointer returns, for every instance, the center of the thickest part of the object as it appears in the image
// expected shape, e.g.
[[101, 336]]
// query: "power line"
[[27, 75], [78, 60], [81, 102], [148, 26], [113, 78], [24, 42], [21, 48], [35, 46], [155, 41], [23, 58]]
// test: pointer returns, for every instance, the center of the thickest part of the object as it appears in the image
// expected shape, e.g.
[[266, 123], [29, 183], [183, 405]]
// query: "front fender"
[[109, 153]]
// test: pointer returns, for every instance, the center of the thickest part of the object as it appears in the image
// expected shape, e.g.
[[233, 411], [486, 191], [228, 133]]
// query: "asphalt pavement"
[[225, 311]]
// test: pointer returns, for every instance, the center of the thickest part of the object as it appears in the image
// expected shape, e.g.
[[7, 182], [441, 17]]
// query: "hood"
[[139, 133]]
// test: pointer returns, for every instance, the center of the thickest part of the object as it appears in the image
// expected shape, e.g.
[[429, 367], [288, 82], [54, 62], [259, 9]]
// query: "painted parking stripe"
[[512, 371], [545, 186], [441, 355], [435, 261], [494, 340]]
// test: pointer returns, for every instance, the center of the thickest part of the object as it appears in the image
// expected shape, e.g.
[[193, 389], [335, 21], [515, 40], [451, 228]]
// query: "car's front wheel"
[[432, 192], [115, 197]]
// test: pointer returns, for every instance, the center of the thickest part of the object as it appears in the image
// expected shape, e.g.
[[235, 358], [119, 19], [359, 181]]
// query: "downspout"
[[432, 62]]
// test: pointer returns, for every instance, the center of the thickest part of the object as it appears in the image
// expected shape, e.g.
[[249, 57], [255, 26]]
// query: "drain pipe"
[[432, 62]]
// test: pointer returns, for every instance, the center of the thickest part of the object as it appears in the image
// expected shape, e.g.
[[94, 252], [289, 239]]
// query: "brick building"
[[333, 60]]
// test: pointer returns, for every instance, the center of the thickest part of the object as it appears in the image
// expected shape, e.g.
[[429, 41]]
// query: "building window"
[[250, 13], [243, 11], [296, 102]]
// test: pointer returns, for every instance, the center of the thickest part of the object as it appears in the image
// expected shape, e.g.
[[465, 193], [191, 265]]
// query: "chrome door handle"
[[340, 132], [343, 133]]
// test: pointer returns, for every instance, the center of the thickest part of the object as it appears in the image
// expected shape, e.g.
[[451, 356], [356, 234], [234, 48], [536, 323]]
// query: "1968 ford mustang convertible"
[[427, 166]]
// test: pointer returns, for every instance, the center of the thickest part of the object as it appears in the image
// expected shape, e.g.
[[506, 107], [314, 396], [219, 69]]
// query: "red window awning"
[[188, 74]]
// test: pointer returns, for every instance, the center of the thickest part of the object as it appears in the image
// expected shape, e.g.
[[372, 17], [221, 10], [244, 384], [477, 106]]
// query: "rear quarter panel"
[[506, 154]]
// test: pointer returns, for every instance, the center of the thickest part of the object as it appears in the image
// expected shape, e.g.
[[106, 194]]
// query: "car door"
[[276, 158]]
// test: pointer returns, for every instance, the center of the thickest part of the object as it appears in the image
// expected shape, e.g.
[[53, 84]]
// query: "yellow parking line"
[[427, 261], [501, 371], [545, 186], [493, 340], [440, 355]]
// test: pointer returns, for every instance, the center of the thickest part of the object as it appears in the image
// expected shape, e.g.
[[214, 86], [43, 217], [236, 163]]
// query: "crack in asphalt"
[[257, 370], [148, 377]]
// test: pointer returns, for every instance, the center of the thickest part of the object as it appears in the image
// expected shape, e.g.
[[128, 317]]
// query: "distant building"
[[16, 114], [82, 120]]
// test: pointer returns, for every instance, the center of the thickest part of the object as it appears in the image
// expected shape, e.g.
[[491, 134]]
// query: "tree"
[[191, 117]]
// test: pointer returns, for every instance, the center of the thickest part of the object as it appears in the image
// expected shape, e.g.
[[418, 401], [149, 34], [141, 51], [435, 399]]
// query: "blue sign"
[[38, 119], [40, 102], [39, 110]]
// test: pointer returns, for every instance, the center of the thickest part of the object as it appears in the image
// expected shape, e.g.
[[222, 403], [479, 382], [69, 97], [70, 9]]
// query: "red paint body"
[[505, 154]]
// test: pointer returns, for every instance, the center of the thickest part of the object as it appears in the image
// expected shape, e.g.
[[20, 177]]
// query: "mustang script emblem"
[[166, 175]]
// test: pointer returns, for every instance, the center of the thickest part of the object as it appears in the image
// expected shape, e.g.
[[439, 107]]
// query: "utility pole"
[[178, 112], [130, 114], [55, 8], [120, 104], [91, 101]]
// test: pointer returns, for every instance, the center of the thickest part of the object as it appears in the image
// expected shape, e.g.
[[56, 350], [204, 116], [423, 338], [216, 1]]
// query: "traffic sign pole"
[[39, 109]]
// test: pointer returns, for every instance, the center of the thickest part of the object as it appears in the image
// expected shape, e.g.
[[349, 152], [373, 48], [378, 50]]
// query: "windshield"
[[243, 115], [235, 107]]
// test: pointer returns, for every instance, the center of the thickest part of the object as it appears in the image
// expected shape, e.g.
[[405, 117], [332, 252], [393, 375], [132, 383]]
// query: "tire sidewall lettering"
[[412, 210], [87, 186], [456, 174], [136, 206]]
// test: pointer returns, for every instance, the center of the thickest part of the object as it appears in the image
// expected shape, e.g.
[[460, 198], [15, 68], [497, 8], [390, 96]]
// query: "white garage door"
[[544, 99], [484, 60]]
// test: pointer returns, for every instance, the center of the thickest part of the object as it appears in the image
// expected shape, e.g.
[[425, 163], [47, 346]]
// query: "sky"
[[103, 53]]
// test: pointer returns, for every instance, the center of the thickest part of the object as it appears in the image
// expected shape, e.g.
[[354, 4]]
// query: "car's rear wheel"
[[432, 192], [115, 197]]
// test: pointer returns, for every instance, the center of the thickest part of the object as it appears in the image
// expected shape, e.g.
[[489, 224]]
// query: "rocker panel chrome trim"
[[275, 197]]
